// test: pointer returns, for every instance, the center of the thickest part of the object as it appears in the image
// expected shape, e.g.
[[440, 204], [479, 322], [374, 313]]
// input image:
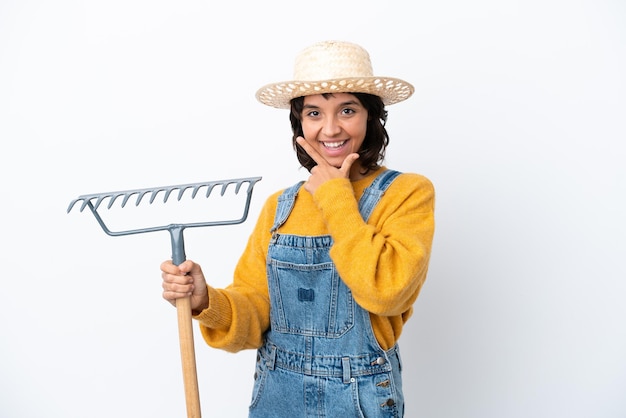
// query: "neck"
[[357, 172]]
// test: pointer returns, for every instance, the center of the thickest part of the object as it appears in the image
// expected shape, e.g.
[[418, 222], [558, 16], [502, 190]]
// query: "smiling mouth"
[[333, 145]]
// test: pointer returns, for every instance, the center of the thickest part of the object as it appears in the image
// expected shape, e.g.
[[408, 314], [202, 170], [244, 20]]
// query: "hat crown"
[[332, 60], [333, 67]]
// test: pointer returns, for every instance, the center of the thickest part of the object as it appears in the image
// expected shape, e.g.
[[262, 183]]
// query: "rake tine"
[[195, 191], [239, 186], [140, 196], [168, 192], [85, 203], [71, 205], [182, 191], [100, 200], [210, 189], [154, 194], [113, 198], [126, 197], [225, 186]]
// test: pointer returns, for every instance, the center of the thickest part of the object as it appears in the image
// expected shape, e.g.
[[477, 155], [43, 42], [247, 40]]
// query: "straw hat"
[[334, 67]]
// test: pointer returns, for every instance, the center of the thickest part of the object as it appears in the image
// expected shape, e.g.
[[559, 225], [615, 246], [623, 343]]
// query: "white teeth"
[[334, 144]]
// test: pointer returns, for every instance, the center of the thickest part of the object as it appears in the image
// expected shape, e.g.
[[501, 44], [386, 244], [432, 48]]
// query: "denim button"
[[390, 402], [380, 361]]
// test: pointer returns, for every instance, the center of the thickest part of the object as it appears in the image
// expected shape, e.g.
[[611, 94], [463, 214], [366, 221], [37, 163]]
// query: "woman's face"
[[335, 125]]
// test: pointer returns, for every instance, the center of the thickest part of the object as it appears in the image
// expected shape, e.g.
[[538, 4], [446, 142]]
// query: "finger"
[[347, 163], [184, 268], [317, 157], [176, 278], [177, 289], [168, 267], [172, 296]]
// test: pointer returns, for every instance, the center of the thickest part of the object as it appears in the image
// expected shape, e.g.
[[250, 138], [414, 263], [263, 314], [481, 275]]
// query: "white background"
[[518, 119]]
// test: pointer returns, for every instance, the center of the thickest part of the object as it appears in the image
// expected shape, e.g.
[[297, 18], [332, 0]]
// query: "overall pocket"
[[309, 299]]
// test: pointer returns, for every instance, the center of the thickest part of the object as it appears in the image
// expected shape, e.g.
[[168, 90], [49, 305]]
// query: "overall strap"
[[373, 193], [285, 203]]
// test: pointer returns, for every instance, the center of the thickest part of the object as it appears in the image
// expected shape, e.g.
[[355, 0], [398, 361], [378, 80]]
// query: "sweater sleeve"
[[384, 262], [238, 315]]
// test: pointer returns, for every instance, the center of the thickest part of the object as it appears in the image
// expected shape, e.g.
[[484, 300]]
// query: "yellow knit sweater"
[[383, 262]]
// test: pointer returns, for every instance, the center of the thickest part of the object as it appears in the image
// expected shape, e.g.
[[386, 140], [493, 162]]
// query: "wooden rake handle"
[[185, 331], [188, 357]]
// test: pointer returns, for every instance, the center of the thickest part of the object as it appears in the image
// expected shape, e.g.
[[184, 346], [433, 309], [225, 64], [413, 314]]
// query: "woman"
[[334, 264]]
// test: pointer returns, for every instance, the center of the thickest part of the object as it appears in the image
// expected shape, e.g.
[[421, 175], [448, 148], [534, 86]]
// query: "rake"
[[183, 305]]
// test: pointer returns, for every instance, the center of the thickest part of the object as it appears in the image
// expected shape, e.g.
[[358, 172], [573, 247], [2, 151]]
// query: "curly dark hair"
[[376, 140]]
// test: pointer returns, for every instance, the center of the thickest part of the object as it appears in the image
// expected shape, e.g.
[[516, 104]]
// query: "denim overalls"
[[320, 357]]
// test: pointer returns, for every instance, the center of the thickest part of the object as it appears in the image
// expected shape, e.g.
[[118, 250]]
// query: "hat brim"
[[390, 90]]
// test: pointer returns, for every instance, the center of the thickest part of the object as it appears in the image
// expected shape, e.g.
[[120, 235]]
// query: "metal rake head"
[[94, 201]]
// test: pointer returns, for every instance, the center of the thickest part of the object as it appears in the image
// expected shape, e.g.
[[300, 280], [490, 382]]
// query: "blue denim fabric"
[[320, 357]]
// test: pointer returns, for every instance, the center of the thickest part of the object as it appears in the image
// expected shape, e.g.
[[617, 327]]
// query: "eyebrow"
[[342, 104]]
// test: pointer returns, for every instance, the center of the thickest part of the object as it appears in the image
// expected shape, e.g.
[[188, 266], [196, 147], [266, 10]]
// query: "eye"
[[347, 111], [313, 113]]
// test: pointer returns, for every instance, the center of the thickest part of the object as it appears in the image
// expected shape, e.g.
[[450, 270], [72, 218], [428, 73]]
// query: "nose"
[[331, 126]]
